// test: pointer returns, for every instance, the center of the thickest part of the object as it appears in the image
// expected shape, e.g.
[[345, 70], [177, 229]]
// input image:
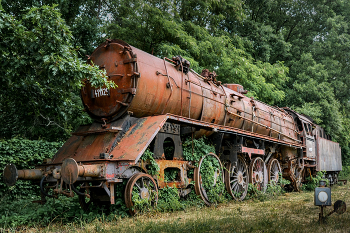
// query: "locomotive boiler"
[[161, 100]]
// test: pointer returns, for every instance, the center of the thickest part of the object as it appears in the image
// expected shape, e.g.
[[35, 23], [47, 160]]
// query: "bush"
[[313, 182], [25, 154], [345, 173], [169, 200]]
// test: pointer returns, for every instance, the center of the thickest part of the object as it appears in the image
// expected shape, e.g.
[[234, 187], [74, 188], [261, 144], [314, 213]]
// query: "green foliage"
[[272, 191], [313, 182], [170, 174], [142, 205], [153, 167], [25, 154], [312, 95], [194, 149], [289, 53], [23, 212], [169, 200], [41, 74], [170, 28], [345, 173], [212, 181]]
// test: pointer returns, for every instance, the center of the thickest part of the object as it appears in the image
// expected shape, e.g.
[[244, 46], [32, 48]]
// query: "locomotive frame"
[[163, 99]]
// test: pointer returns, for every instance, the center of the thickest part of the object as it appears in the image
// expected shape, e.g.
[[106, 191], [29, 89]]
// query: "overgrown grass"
[[290, 212], [22, 212]]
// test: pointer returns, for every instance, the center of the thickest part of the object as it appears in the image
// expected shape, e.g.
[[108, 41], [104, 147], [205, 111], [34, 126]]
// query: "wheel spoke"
[[234, 185], [237, 190], [233, 180], [137, 186], [256, 173], [274, 169]]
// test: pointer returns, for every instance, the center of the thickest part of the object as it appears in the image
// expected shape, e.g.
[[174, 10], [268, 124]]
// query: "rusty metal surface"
[[69, 171], [10, 174], [117, 59], [137, 138], [86, 146], [227, 129], [253, 151], [254, 116], [163, 89], [236, 87], [30, 174], [95, 170], [183, 181], [329, 155], [310, 147], [160, 88]]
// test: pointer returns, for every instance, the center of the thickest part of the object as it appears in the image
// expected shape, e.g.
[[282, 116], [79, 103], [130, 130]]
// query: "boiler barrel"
[[148, 85]]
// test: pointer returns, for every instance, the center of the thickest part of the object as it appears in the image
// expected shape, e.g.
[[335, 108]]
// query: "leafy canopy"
[[41, 73]]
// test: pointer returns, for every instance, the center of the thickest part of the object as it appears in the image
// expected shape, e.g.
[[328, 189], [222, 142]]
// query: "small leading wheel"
[[141, 192], [258, 174], [236, 179], [274, 170], [208, 177]]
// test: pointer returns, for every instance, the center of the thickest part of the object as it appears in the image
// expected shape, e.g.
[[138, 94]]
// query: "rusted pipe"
[[71, 171], [30, 174], [170, 86], [90, 170]]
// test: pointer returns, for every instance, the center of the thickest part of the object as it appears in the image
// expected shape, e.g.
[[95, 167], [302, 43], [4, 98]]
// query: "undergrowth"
[[67, 210], [313, 181]]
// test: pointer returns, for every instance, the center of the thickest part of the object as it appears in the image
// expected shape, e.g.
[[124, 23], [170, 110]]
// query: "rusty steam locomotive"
[[163, 99]]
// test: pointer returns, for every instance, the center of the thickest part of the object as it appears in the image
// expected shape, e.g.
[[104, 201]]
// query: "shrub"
[[345, 173], [25, 154], [313, 182]]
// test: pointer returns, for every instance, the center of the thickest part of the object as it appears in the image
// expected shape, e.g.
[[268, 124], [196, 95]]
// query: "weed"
[[313, 182], [272, 190], [169, 200], [153, 167]]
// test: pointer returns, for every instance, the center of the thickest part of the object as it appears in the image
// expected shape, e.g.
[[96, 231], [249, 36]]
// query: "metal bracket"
[[106, 189], [131, 60], [127, 90]]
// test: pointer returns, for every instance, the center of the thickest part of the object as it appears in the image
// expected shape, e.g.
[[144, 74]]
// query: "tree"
[[41, 73], [174, 28]]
